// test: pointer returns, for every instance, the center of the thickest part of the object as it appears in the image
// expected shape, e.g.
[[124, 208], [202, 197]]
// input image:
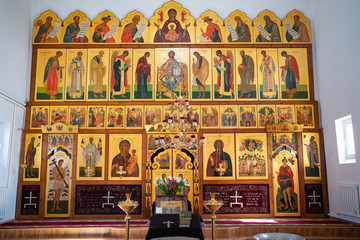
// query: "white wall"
[[15, 49], [336, 30], [14, 91]]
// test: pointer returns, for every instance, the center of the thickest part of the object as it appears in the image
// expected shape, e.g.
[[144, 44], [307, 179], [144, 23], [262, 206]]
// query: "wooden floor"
[[244, 232]]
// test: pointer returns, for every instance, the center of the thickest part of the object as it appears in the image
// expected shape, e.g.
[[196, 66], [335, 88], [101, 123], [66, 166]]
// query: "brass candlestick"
[[121, 172], [128, 206], [213, 205], [220, 169], [88, 172]]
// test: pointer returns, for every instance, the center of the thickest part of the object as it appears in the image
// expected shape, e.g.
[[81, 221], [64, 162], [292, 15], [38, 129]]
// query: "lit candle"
[[176, 103], [164, 123], [169, 104], [193, 139], [157, 140], [176, 139], [187, 102], [162, 141], [202, 140], [182, 119], [170, 120], [194, 122]]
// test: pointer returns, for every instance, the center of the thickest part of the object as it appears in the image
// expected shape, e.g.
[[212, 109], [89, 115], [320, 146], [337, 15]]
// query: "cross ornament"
[[168, 223]]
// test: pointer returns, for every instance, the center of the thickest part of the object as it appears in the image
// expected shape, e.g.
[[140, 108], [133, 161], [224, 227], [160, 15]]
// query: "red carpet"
[[143, 222]]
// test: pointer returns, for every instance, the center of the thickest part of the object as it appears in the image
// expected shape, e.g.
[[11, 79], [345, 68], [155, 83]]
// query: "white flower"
[[177, 179]]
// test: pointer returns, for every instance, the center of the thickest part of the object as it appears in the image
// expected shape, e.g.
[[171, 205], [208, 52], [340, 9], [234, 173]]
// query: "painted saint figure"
[[172, 74], [53, 75], [44, 31], [130, 30], [272, 28], [313, 158], [242, 31], [216, 158], [213, 32], [177, 34], [225, 85], [97, 73], [285, 179], [143, 76], [246, 72], [201, 72], [58, 183], [30, 157], [123, 159], [267, 69], [101, 30], [119, 77], [76, 71], [72, 31], [91, 156], [301, 30], [290, 74]]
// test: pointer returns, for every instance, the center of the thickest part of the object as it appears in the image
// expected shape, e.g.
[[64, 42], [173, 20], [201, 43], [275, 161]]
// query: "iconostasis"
[[100, 90]]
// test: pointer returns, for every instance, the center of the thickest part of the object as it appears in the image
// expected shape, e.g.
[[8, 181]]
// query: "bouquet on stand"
[[171, 185]]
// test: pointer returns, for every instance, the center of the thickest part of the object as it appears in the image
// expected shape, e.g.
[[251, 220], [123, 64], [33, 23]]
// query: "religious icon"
[[58, 186], [105, 28], [78, 116], [172, 24], [245, 74], [267, 27], [59, 114], [91, 155], [125, 154], [39, 116], [239, 27], [171, 73], [266, 115], [296, 28], [247, 116], [32, 160], [135, 28], [181, 160], [59, 172], [120, 74], [294, 73], [164, 159], [134, 117], [47, 28], [115, 117], [213, 26], [219, 156], [76, 28], [286, 184], [153, 115], [210, 116], [98, 64], [96, 117], [251, 156], [285, 113], [223, 69], [144, 68], [49, 72], [284, 139], [311, 153], [76, 60], [267, 74], [304, 114], [229, 116], [201, 86]]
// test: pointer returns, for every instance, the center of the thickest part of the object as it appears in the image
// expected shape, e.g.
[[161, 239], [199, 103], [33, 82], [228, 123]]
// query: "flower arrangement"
[[171, 185]]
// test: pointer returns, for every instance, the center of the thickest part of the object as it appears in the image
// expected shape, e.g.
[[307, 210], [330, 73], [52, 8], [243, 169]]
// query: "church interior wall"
[[335, 89]]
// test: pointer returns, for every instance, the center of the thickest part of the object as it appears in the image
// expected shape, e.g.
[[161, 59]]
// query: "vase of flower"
[[171, 185]]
